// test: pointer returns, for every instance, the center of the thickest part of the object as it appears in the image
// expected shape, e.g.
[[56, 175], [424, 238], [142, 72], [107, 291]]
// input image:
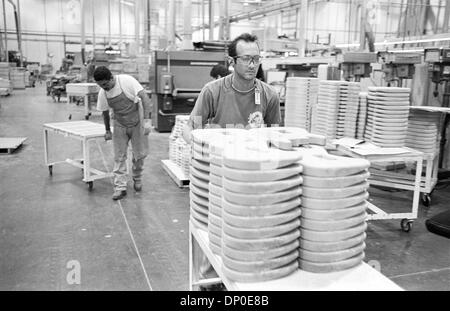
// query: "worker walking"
[[132, 122]]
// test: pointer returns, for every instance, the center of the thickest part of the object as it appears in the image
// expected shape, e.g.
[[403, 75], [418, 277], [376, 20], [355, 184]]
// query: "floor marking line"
[[126, 223], [418, 273]]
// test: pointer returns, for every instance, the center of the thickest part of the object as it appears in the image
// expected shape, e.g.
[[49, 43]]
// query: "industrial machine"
[[439, 67], [357, 65], [398, 67], [179, 78]]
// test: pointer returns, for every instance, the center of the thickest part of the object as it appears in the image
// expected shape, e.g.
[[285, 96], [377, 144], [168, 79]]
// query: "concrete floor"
[[141, 242]]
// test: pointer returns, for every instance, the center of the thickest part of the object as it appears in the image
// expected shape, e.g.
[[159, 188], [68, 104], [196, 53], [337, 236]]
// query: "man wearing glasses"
[[239, 99]]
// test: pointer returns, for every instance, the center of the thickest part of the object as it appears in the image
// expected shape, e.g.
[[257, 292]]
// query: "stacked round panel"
[[199, 173], [199, 179], [362, 115], [326, 112], [387, 116], [261, 210], [174, 143], [301, 96], [333, 213], [423, 131], [347, 123], [216, 147]]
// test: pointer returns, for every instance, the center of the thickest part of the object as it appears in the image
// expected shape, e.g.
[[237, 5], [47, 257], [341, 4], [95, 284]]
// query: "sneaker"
[[138, 186], [119, 194]]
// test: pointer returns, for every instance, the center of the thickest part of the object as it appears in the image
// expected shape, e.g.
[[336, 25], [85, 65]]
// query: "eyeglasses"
[[246, 59]]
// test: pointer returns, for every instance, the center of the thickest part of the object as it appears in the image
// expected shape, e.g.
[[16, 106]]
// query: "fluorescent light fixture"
[[395, 42], [127, 3]]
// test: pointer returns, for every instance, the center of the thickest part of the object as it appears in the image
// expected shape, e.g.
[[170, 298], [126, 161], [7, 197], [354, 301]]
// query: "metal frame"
[[396, 181], [87, 112], [84, 131], [362, 277]]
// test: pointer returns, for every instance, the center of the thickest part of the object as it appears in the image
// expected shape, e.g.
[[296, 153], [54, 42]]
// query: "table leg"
[[191, 271], [86, 107], [86, 164], [417, 183], [46, 146]]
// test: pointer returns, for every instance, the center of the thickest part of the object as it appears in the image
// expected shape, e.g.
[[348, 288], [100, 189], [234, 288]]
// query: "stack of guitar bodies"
[[336, 113], [387, 119], [179, 150], [261, 210], [423, 131], [272, 202], [204, 176], [362, 115], [301, 97], [333, 212]]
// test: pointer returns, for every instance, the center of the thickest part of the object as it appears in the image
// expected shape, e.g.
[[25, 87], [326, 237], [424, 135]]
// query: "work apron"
[[128, 125]]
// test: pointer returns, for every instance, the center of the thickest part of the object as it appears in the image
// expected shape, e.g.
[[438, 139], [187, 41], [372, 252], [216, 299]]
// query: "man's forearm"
[[106, 120], [146, 104]]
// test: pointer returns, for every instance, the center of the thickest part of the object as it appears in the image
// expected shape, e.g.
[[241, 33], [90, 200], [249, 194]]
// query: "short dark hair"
[[244, 37], [102, 73], [219, 70]]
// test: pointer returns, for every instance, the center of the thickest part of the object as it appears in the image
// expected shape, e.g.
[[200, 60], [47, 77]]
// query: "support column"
[[93, 27], [137, 27], [120, 24], [301, 31], [6, 32], [362, 34], [211, 20], [187, 27], [19, 25], [224, 26], [171, 25], [83, 31]]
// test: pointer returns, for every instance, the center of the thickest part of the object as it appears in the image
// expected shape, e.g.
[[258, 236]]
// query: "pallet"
[[175, 173], [9, 145]]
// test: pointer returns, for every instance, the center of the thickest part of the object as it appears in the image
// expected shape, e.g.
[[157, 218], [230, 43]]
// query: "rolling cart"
[[84, 131]]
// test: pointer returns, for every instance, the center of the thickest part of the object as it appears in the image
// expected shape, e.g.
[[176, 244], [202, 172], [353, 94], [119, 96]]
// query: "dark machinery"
[[439, 67], [398, 67], [179, 78], [439, 61], [357, 65]]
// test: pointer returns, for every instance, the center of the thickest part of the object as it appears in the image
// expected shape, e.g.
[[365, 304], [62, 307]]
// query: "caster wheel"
[[50, 170], [90, 185], [406, 225], [426, 199]]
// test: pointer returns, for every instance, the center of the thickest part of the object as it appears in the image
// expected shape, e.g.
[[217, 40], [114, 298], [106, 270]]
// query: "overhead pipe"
[[19, 39]]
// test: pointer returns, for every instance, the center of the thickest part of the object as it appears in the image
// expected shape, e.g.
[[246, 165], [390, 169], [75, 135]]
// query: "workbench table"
[[84, 90], [84, 131], [361, 278]]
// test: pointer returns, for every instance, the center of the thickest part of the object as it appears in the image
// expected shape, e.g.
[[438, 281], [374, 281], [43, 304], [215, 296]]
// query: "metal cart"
[[394, 180], [84, 131], [361, 277]]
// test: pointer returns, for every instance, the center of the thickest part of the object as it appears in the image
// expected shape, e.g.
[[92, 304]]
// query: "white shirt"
[[124, 83]]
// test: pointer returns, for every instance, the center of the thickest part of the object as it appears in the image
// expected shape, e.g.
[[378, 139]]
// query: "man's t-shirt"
[[124, 83], [219, 104]]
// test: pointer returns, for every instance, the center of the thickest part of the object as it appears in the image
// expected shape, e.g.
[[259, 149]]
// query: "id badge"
[[257, 97]]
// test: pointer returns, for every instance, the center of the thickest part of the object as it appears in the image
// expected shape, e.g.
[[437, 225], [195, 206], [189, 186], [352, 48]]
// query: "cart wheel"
[[50, 170], [406, 225], [426, 199], [90, 184]]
